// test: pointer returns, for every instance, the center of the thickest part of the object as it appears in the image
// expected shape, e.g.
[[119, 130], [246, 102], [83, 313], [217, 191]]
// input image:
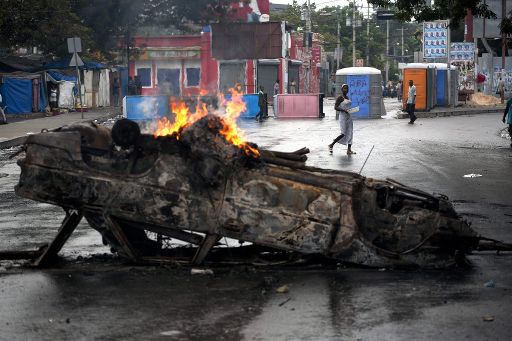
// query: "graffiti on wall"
[[359, 93], [466, 75]]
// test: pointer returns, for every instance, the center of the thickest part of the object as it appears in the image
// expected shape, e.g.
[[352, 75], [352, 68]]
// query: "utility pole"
[[503, 38], [353, 34], [368, 37], [307, 49], [338, 43], [402, 43], [387, 51], [448, 64]]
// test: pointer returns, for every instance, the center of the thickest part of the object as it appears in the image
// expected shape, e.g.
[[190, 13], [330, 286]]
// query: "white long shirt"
[[411, 96]]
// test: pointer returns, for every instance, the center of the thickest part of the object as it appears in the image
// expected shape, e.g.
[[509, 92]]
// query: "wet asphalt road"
[[99, 298]]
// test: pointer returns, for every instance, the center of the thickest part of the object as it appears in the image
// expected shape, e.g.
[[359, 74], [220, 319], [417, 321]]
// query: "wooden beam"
[[67, 227], [209, 241], [123, 241]]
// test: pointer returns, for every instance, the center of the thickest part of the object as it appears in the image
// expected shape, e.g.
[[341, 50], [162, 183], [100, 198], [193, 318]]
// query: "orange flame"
[[184, 117]]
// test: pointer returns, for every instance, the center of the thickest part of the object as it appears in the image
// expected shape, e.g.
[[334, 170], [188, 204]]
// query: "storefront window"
[[145, 76], [193, 76]]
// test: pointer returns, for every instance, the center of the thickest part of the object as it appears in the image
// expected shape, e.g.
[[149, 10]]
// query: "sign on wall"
[[435, 39], [359, 93], [462, 51]]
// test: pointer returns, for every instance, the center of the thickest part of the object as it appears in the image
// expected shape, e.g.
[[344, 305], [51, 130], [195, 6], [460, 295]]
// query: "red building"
[[183, 65]]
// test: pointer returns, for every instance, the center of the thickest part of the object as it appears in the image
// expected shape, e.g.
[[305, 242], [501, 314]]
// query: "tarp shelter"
[[67, 88], [442, 84], [23, 92], [364, 90]]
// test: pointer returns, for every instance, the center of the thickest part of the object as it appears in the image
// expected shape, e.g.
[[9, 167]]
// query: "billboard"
[[247, 40], [435, 39], [463, 52]]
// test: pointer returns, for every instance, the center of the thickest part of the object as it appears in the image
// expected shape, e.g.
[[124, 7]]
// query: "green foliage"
[[455, 10], [42, 23]]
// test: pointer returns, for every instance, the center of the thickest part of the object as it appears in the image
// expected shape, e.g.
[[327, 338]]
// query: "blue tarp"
[[43, 101], [61, 77], [17, 95], [64, 64]]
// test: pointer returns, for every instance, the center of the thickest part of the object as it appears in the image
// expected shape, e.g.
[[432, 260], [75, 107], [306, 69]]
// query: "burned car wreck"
[[141, 192]]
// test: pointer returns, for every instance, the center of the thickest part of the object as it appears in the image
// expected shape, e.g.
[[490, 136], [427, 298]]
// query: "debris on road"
[[201, 271], [282, 289], [488, 318], [472, 175], [489, 284]]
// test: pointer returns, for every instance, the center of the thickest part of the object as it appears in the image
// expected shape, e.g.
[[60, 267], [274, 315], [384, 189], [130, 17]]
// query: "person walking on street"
[[261, 104], [501, 90], [115, 90], [411, 102], [276, 87], [342, 105], [399, 91], [507, 118]]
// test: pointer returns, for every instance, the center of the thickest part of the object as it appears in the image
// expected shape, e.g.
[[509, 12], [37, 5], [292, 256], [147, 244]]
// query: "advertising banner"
[[463, 52], [435, 39]]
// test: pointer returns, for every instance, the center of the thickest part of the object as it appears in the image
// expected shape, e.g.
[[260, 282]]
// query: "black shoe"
[[411, 122]]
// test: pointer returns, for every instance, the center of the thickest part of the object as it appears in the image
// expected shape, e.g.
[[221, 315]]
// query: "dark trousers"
[[409, 108], [261, 113]]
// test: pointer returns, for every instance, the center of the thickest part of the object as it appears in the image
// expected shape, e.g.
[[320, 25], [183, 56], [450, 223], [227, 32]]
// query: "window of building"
[[144, 74], [193, 76]]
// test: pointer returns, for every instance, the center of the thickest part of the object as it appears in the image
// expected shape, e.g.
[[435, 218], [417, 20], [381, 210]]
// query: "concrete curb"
[[17, 141], [454, 112]]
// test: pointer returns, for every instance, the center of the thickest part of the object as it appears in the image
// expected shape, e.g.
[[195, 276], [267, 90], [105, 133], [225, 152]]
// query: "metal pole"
[[503, 38], [338, 45], [402, 43], [368, 36], [308, 52], [353, 34], [78, 79], [449, 69], [387, 51]]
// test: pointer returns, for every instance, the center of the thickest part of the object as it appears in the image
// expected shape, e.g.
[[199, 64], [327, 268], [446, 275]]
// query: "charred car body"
[[198, 188]]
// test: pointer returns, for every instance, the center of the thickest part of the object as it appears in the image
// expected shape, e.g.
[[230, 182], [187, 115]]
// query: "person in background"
[[115, 90], [507, 118], [343, 104], [399, 91], [138, 85], [53, 97], [293, 86], [501, 90], [276, 87], [261, 104], [2, 113], [132, 89], [411, 102]]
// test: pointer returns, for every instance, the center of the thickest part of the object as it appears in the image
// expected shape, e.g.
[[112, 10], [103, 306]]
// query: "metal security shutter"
[[267, 76], [231, 74]]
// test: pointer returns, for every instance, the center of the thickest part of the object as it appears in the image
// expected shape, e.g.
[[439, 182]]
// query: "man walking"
[[507, 117], [261, 104], [411, 102], [3, 119]]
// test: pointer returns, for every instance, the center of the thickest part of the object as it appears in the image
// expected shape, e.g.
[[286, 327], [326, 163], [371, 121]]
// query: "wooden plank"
[[67, 227], [209, 241], [118, 233]]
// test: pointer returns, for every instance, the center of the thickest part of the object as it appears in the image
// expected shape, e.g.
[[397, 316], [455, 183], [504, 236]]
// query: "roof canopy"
[[358, 70]]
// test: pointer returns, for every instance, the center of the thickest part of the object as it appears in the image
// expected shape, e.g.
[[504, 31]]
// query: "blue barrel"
[[144, 108], [251, 103]]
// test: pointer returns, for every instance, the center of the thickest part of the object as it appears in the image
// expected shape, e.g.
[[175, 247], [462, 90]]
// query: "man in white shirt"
[[411, 102]]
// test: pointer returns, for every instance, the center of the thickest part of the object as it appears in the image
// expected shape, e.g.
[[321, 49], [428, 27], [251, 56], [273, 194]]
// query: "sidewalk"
[[15, 133], [457, 111]]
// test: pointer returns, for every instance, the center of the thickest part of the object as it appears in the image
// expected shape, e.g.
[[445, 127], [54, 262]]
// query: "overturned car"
[[151, 196]]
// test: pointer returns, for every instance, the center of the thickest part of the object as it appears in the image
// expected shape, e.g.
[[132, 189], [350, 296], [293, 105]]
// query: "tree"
[[39, 23], [455, 10]]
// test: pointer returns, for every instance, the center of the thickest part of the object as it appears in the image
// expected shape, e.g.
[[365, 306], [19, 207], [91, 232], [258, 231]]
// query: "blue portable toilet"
[[442, 84]]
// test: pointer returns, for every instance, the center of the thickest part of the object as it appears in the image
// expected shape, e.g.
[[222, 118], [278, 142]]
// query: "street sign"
[[76, 60], [385, 14], [74, 45]]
